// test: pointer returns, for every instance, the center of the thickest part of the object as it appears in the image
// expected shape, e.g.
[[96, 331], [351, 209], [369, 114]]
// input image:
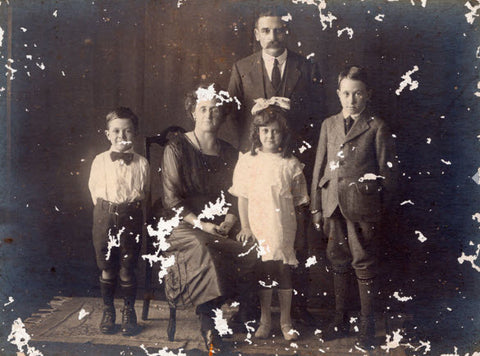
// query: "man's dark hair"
[[273, 10]]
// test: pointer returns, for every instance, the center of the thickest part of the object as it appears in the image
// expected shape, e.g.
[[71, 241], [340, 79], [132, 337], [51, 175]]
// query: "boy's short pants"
[[120, 226]]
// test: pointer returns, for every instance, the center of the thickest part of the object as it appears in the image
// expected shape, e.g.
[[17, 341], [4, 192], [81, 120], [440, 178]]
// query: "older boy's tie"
[[125, 156], [276, 74], [348, 124]]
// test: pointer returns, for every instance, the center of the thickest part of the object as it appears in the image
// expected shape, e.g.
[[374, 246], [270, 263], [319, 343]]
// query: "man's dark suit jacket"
[[356, 172], [303, 86]]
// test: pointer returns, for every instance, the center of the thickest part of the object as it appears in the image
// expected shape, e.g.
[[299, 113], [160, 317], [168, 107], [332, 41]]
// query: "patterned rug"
[[76, 320]]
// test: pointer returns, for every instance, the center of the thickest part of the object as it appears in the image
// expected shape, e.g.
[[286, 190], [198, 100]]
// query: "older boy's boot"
[[129, 317], [285, 299], [339, 326], [265, 326], [366, 335], [107, 288]]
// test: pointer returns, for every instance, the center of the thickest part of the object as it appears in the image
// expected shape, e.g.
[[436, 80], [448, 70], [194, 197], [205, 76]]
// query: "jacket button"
[[342, 145]]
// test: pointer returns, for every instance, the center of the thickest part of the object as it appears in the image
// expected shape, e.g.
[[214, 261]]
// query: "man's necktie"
[[348, 124], [125, 156], [276, 74]]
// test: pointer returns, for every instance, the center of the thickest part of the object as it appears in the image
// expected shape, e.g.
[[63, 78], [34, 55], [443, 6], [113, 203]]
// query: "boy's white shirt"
[[117, 182]]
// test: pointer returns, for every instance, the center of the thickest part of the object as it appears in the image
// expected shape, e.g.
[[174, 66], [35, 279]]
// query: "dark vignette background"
[[147, 54]]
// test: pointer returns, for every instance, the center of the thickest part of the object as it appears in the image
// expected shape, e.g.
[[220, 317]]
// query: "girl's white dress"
[[274, 186]]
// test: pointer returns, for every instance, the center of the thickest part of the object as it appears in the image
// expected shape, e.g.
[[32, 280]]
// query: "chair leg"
[[172, 324], [148, 294]]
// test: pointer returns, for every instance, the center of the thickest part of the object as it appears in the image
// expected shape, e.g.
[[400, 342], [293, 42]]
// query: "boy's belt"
[[114, 208]]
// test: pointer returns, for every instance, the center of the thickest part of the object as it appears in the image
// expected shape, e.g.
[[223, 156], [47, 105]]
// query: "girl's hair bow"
[[262, 103]]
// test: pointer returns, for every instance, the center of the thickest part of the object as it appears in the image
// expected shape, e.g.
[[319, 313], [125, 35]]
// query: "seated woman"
[[197, 170]]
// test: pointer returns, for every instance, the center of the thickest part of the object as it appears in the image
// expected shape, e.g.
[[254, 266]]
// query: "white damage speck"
[[211, 210], [113, 241], [392, 341], [41, 66], [11, 69], [471, 258], [476, 217], [163, 352], [10, 301], [429, 140], [380, 17], [370, 176], [287, 18], [408, 81], [55, 13], [265, 285], [397, 296], [82, 314], [448, 163], [160, 244], [311, 55], [325, 20], [470, 16], [311, 261], [221, 324], [23, 29], [210, 94], [305, 146], [407, 202], [180, 3], [2, 32], [421, 237], [348, 30], [423, 2], [19, 337], [334, 165]]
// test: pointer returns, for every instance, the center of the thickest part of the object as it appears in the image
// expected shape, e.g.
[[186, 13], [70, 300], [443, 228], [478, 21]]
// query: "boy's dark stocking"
[[129, 317], [107, 288], [366, 336], [339, 326]]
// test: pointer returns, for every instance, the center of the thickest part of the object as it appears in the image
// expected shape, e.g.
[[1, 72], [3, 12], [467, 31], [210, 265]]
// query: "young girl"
[[270, 184]]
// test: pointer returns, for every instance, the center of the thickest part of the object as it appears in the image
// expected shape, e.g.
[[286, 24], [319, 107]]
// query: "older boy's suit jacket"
[[303, 86], [355, 172]]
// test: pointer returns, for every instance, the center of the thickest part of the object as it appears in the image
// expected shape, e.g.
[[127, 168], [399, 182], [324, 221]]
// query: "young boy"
[[353, 178], [118, 182]]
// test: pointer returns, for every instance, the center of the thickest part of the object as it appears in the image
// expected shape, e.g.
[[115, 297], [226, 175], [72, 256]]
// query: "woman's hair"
[[265, 117], [219, 95]]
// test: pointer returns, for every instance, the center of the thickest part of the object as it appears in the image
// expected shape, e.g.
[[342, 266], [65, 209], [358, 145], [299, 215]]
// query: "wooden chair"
[[151, 210]]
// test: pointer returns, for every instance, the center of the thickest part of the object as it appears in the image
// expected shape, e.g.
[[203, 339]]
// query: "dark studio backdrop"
[[76, 60]]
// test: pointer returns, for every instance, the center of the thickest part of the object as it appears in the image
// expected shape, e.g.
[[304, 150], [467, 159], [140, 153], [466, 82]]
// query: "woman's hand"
[[245, 235], [211, 228], [225, 227]]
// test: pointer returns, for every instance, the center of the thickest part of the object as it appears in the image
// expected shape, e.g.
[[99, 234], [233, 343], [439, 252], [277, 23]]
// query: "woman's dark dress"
[[207, 266]]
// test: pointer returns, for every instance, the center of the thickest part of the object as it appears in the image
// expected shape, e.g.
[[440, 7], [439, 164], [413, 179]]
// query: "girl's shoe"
[[289, 333]]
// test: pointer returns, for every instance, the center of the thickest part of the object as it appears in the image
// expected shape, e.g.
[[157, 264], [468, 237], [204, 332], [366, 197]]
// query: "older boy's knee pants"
[[351, 244]]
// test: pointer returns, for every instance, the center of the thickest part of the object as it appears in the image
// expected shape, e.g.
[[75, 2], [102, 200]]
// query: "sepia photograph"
[[240, 177]]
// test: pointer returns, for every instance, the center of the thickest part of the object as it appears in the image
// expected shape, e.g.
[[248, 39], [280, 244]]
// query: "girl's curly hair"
[[265, 117]]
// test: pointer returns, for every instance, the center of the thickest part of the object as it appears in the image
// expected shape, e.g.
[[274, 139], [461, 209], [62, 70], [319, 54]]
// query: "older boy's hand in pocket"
[[245, 235], [210, 228]]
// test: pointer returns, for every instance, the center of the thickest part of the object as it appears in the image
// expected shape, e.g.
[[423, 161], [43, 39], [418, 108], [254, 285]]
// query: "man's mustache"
[[274, 44]]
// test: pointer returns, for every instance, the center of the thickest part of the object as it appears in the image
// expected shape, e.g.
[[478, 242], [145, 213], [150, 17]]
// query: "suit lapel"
[[359, 127], [292, 74], [339, 128], [256, 76]]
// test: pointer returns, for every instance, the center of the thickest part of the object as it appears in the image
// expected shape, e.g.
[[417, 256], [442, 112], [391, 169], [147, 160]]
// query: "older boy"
[[118, 181], [353, 178]]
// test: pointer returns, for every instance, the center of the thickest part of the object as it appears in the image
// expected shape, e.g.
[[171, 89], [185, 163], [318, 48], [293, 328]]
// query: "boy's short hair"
[[354, 72], [269, 115], [123, 112], [272, 10], [191, 100]]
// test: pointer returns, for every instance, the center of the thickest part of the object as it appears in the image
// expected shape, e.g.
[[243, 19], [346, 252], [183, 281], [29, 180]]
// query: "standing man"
[[276, 71]]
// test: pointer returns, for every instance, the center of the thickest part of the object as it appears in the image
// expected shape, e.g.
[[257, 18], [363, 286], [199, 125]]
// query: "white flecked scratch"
[[11, 69], [421, 237], [325, 20], [1, 36], [287, 18], [265, 285], [19, 337], [221, 324], [448, 163], [348, 30], [305, 146], [311, 261], [380, 17], [82, 314], [211, 210], [311, 55], [407, 202], [163, 352], [113, 241], [210, 94], [476, 217], [41, 66], [10, 301], [397, 296], [407, 80], [369, 176], [470, 16], [334, 165], [392, 341], [471, 258]]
